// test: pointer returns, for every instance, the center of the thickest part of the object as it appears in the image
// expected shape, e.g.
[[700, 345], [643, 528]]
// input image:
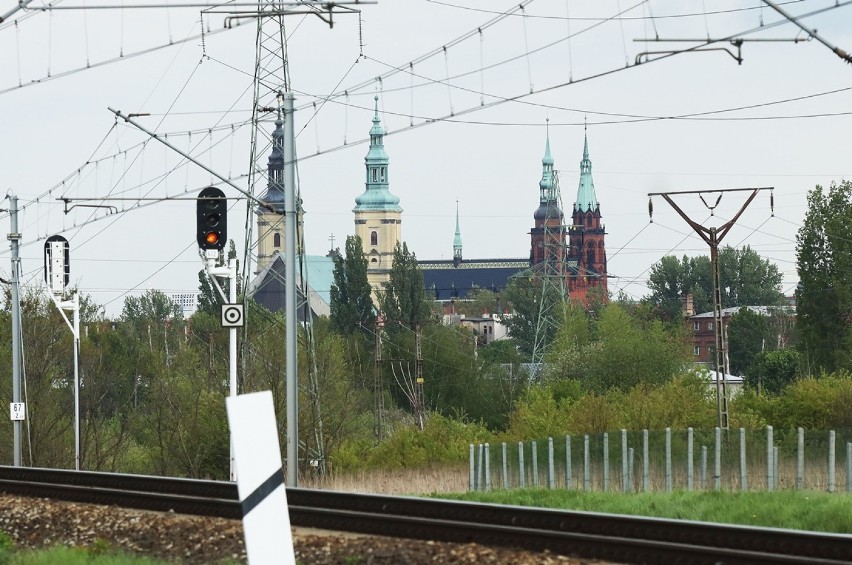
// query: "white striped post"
[[521, 479], [587, 475], [605, 462]]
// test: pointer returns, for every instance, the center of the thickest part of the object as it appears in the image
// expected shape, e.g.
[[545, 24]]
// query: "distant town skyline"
[[686, 122]]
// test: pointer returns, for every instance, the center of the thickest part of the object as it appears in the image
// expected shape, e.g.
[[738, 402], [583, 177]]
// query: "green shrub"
[[443, 441]]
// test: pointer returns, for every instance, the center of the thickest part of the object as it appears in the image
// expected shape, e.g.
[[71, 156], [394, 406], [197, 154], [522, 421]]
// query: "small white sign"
[[17, 411], [232, 316]]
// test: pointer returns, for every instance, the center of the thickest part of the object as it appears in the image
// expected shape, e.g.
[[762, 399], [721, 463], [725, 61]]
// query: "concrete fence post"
[[743, 470], [568, 473], [668, 459]]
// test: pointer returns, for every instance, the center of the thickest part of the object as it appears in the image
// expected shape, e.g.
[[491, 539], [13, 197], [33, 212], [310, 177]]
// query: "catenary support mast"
[[713, 237]]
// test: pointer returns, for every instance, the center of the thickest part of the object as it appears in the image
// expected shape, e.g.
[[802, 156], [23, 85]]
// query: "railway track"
[[627, 539]]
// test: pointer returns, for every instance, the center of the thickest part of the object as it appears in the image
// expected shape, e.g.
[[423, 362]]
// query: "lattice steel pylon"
[[271, 84], [549, 262]]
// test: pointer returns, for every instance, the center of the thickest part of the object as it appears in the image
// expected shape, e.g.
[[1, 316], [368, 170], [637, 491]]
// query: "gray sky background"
[[59, 139]]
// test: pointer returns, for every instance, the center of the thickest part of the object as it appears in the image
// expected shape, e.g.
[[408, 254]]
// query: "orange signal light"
[[212, 237]]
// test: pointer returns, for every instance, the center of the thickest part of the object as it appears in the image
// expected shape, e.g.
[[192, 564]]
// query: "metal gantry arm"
[[811, 32], [191, 159]]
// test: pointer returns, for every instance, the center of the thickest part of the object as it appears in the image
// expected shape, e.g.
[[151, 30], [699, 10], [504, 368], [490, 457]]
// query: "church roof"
[[445, 281], [267, 288], [586, 198]]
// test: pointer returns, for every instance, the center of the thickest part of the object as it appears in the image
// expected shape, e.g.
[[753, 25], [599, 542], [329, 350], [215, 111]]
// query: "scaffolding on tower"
[[550, 273]]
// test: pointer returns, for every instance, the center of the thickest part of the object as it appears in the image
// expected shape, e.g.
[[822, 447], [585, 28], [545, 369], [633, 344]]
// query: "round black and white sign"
[[232, 316]]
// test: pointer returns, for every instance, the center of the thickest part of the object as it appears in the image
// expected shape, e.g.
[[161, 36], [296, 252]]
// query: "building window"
[[374, 238], [276, 240], [375, 174], [696, 350], [710, 326], [696, 326], [384, 174]]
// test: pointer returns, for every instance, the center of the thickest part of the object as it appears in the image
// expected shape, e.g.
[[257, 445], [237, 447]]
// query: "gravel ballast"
[[37, 522]]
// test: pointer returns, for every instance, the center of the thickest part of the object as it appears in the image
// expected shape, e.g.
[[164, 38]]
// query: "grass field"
[[798, 510]]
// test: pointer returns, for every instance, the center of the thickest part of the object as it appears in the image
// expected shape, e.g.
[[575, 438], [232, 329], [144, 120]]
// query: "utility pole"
[[290, 220], [14, 240], [418, 375], [713, 237], [378, 389]]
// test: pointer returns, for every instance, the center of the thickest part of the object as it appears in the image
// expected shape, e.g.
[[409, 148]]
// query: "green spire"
[[547, 183], [377, 195], [457, 241], [586, 199]]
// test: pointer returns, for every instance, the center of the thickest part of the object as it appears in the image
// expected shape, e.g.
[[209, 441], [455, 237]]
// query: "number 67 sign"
[[17, 411]]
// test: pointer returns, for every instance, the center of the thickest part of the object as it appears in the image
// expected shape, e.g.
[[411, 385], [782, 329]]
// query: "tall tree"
[[536, 307], [746, 279], [771, 371], [748, 334], [403, 299], [615, 350], [824, 264], [351, 305]]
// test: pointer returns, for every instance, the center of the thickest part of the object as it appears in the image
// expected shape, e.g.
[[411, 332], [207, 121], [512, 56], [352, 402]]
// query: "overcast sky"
[[59, 139]]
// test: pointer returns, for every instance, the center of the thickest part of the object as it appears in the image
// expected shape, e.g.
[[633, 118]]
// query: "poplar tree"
[[824, 264], [404, 297], [351, 305]]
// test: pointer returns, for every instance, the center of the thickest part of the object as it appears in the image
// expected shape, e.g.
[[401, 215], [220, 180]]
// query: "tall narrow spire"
[[377, 195], [457, 240], [274, 194], [546, 184], [586, 198]]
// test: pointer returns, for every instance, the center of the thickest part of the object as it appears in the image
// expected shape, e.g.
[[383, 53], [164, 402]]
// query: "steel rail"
[[628, 539]]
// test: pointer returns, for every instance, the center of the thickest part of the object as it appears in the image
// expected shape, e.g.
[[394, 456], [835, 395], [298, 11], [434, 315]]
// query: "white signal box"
[[56, 264]]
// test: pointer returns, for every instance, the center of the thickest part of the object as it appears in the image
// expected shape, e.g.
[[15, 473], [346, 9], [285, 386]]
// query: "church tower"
[[378, 216], [270, 223], [547, 238], [586, 239]]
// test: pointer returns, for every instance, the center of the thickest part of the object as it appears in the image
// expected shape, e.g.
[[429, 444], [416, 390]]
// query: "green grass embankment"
[[798, 510]]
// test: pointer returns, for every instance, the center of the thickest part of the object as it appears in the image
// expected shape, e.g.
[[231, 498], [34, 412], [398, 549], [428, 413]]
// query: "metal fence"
[[630, 461]]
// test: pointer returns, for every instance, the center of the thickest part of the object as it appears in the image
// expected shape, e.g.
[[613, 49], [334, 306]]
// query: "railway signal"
[[212, 219]]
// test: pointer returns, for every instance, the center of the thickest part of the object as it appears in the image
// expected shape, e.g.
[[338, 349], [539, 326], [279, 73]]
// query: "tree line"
[[153, 383]]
